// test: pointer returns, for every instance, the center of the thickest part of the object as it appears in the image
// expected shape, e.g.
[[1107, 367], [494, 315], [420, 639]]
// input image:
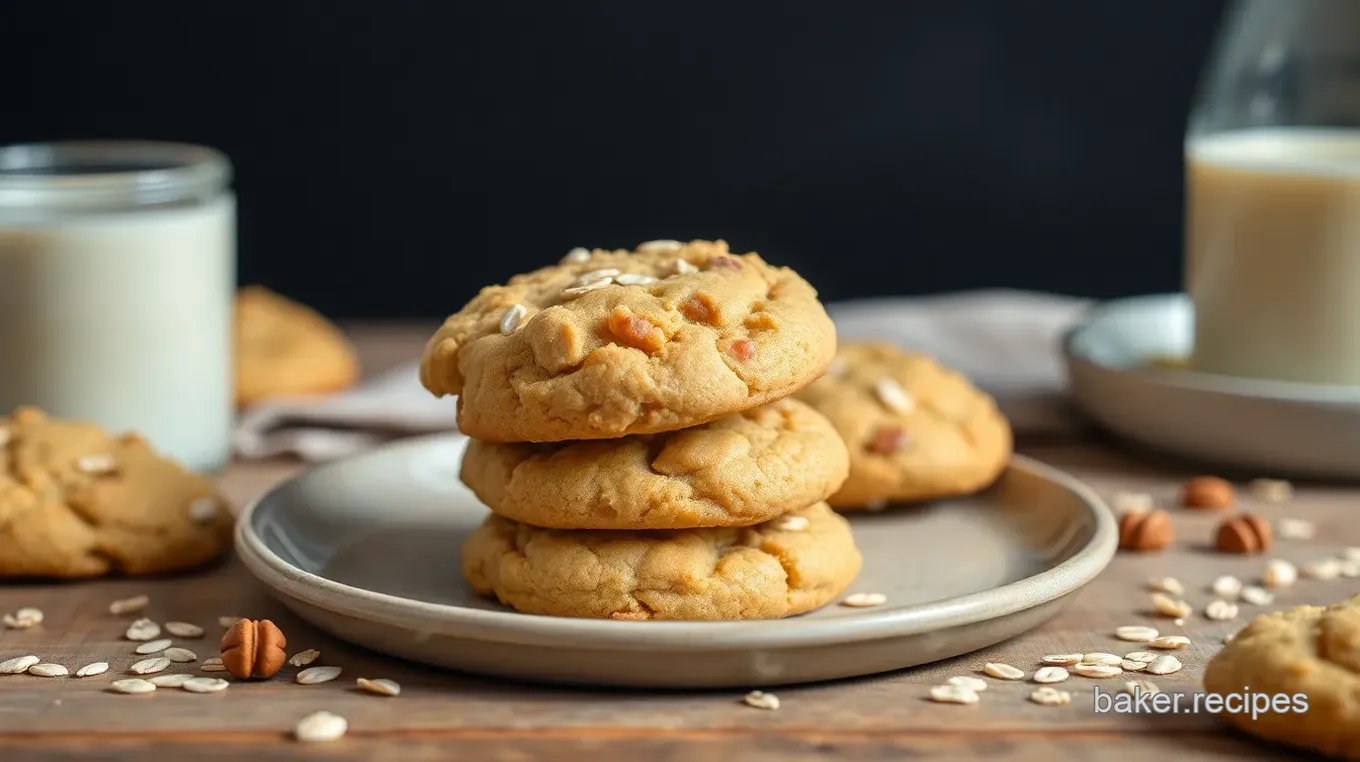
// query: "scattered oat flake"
[[148, 666], [17, 665], [24, 618], [1271, 490], [1227, 586], [634, 279], [1133, 502], [1063, 659], [791, 523], [1169, 585], [661, 245], [1257, 596], [379, 686], [303, 658], [1097, 671], [142, 629], [132, 685], [1280, 573], [320, 727], [682, 267], [952, 694], [975, 684], [129, 605], [893, 396], [180, 655], [1170, 642], [90, 670], [214, 661], [96, 464], [1136, 633], [205, 667], [1179, 621], [761, 700], [1164, 665], [1325, 570], [1050, 675], [1170, 607], [1003, 671], [1220, 610], [1295, 529], [514, 314], [1143, 656], [864, 600], [154, 646], [1098, 657], [1128, 665], [1351, 554], [575, 291], [204, 685], [1050, 696], [1141, 686], [576, 256], [184, 630], [47, 670], [170, 681], [316, 675]]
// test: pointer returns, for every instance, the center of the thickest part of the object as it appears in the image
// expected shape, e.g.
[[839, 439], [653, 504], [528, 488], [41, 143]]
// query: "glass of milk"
[[1273, 195], [117, 276]]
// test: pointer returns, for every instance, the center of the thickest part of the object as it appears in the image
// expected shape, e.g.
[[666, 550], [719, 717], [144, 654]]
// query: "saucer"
[[1117, 360], [367, 548]]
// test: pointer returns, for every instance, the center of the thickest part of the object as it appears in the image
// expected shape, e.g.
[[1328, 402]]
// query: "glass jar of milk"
[[117, 276], [1273, 195]]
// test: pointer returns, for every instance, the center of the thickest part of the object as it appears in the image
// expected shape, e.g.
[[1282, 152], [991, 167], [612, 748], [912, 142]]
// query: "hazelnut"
[[1208, 492], [254, 648], [1145, 530], [1244, 533]]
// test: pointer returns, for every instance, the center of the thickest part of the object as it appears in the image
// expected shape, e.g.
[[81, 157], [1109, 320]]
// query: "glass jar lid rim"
[[112, 166]]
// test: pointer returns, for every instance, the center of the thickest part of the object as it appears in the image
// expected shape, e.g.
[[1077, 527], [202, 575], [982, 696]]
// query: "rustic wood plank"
[[442, 715]]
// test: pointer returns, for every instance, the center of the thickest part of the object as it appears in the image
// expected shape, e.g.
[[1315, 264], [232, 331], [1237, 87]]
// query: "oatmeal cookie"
[[1310, 652], [286, 349], [788, 566], [76, 501], [740, 470], [611, 343], [915, 429]]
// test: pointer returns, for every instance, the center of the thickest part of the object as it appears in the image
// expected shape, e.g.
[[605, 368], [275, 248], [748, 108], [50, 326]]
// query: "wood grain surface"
[[446, 716]]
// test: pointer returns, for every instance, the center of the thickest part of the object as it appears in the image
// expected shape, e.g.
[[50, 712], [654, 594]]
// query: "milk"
[[124, 318], [1273, 253]]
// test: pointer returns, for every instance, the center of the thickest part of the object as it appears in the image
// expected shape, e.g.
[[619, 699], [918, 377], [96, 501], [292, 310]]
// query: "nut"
[[1208, 492], [253, 649], [1145, 530], [1244, 533]]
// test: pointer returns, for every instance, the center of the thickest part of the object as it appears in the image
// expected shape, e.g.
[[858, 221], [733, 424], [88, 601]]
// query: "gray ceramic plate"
[[1272, 428], [367, 549]]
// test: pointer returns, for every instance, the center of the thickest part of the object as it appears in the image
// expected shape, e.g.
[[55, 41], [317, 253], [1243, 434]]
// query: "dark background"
[[392, 157]]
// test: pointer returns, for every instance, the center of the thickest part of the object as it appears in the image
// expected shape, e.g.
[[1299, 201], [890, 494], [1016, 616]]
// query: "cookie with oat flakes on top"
[[76, 501], [611, 343], [916, 430], [788, 566]]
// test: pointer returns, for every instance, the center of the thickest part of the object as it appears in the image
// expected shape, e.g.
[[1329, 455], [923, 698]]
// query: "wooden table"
[[446, 716]]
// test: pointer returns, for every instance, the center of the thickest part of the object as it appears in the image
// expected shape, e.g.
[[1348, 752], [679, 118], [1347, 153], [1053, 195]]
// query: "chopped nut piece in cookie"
[[723, 262], [635, 331], [742, 349], [700, 307], [888, 440]]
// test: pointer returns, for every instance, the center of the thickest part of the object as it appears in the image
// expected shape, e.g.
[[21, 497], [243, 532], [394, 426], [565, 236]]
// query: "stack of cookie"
[[632, 434]]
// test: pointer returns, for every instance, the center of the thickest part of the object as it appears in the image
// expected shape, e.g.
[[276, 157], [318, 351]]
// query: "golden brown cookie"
[[284, 349], [736, 471], [915, 429], [1310, 654], [611, 343], [78, 502], [788, 566]]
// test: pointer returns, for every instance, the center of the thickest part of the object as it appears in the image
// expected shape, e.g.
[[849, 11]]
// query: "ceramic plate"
[[1267, 427], [367, 549]]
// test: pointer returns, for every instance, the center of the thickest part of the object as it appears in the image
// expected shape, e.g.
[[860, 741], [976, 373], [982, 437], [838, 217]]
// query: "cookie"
[[286, 349], [1308, 653], [76, 501], [740, 470], [915, 429], [611, 343], [789, 566]]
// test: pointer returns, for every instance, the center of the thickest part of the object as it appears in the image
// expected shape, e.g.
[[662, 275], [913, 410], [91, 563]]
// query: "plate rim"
[[509, 626], [1293, 392]]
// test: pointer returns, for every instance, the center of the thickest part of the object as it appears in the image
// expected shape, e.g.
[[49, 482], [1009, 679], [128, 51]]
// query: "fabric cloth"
[[1007, 342]]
